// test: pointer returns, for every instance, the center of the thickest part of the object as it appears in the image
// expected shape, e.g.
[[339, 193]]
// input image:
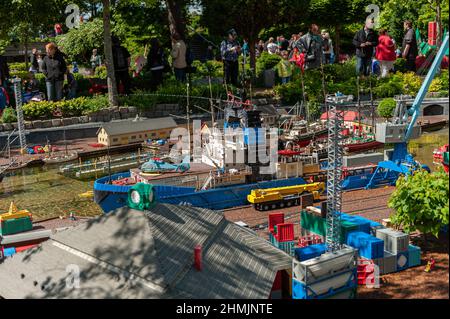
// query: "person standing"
[[179, 57], [284, 44], [54, 67], [385, 52], [72, 86], [40, 62], [33, 60], [122, 60], [272, 47], [96, 60], [311, 45], [327, 47], [365, 40], [230, 50], [284, 68], [409, 47], [156, 63]]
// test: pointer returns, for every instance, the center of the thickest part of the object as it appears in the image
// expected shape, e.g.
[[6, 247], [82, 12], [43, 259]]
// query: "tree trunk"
[[176, 23], [112, 85], [337, 43]]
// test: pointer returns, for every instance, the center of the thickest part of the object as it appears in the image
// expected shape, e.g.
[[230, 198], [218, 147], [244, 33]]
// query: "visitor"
[[365, 41], [54, 67], [4, 71], [385, 52], [245, 48], [122, 60], [259, 48], [327, 47], [156, 63], [409, 47], [293, 41], [283, 45], [272, 47], [96, 60], [72, 86], [179, 57], [311, 45], [230, 50], [284, 67], [58, 29], [34, 67]]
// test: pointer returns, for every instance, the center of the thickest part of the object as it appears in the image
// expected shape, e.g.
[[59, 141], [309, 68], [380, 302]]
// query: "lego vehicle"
[[156, 165], [279, 197]]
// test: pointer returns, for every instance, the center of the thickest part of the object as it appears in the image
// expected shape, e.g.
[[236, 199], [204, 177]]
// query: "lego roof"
[[141, 125], [156, 248], [348, 116]]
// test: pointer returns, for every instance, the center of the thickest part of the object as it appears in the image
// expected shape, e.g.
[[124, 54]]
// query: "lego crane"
[[401, 129]]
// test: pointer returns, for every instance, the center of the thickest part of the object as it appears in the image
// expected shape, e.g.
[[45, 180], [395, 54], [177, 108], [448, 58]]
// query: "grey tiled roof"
[[141, 125], [156, 249]]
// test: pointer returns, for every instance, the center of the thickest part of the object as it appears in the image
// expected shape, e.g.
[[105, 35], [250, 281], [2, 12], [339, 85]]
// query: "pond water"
[[46, 194]]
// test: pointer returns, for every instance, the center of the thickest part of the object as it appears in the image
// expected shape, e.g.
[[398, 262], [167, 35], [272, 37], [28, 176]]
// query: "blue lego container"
[[402, 260], [309, 252], [272, 238], [8, 252], [300, 290], [413, 256], [368, 246]]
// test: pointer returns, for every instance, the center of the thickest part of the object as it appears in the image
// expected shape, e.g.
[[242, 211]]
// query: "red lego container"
[[432, 33], [22, 248], [285, 232], [275, 219]]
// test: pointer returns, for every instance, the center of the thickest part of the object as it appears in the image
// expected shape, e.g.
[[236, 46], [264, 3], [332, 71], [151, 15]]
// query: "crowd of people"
[[375, 53]]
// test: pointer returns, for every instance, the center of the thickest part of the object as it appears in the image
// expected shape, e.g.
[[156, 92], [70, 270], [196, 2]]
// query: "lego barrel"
[[16, 225], [368, 246]]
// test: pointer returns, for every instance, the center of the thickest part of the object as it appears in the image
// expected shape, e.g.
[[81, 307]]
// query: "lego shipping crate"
[[16, 225]]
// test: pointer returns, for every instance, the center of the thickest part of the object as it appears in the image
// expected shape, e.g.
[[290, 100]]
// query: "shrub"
[[400, 65], [35, 110], [17, 66], [411, 83], [100, 72], [421, 202], [9, 115], [386, 107], [266, 61]]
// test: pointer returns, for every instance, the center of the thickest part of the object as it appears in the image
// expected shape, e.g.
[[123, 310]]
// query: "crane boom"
[[415, 108]]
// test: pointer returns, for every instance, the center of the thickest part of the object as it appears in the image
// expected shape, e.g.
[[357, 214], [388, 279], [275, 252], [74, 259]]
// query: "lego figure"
[[430, 265], [72, 216]]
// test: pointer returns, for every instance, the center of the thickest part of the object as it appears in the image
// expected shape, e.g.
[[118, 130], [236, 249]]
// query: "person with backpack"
[[311, 45], [230, 50], [179, 57], [156, 63], [54, 67], [122, 59]]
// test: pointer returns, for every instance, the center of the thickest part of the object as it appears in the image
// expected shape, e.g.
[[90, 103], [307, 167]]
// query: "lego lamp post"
[[141, 197]]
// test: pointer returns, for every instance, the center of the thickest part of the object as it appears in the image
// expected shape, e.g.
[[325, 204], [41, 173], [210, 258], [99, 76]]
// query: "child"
[[72, 86], [284, 68]]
